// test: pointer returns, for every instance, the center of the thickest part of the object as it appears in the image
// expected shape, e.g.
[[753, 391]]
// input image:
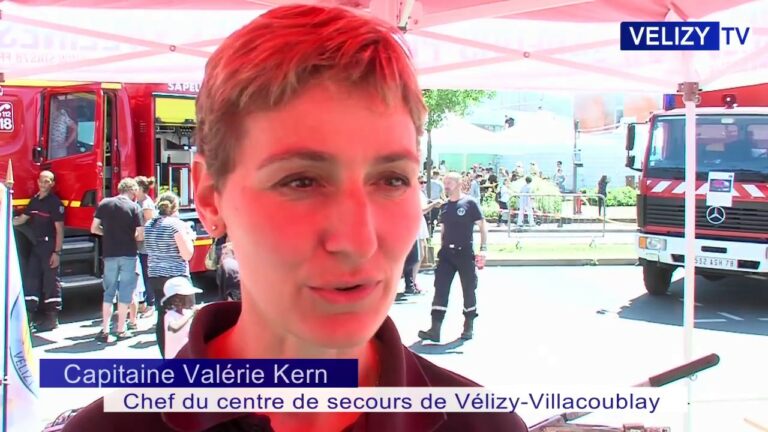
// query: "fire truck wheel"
[[657, 279]]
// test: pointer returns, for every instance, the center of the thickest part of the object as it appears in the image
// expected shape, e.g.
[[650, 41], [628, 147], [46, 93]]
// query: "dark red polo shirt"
[[400, 368]]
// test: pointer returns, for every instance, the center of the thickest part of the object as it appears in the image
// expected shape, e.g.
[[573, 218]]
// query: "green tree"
[[440, 103]]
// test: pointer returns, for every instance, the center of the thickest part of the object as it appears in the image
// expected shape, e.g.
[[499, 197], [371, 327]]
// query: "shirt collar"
[[400, 368]]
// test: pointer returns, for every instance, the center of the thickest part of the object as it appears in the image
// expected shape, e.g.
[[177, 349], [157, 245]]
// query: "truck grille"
[[748, 217]]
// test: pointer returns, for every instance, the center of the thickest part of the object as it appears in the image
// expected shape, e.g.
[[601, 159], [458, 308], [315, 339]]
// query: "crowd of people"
[[160, 255], [496, 183], [146, 248], [502, 185], [479, 179]]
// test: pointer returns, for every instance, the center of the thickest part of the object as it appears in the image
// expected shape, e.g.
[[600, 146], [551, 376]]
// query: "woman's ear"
[[206, 203]]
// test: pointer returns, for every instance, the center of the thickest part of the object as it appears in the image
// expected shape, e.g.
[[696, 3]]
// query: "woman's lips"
[[346, 294]]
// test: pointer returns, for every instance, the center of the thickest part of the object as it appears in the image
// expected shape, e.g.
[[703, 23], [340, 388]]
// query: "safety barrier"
[[558, 215], [568, 215], [559, 219]]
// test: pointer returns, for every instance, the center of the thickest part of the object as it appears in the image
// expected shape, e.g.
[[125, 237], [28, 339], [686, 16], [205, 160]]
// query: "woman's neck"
[[252, 337]]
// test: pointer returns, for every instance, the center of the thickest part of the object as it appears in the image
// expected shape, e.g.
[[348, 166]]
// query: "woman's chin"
[[343, 331]]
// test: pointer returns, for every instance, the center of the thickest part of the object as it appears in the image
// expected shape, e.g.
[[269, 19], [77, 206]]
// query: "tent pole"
[[573, 156], [6, 295], [690, 92]]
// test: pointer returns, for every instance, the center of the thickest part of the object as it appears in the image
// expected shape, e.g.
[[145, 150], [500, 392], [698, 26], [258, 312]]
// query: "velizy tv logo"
[[679, 36]]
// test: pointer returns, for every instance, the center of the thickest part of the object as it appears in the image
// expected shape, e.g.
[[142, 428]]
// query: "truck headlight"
[[652, 243]]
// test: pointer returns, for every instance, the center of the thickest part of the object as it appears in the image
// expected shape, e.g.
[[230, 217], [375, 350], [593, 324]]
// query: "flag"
[[21, 408]]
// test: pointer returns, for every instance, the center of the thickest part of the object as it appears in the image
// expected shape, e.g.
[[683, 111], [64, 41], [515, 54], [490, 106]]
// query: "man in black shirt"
[[45, 214], [117, 220], [493, 179], [458, 218]]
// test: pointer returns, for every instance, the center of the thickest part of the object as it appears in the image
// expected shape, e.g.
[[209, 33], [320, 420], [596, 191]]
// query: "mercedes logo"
[[716, 215]]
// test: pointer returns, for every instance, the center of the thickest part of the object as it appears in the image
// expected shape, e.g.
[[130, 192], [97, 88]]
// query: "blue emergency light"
[[668, 102]]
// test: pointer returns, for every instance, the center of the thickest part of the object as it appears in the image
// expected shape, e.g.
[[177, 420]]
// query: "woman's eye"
[[396, 181], [300, 183]]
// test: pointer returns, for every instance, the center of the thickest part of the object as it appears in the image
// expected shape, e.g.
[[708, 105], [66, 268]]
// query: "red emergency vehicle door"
[[73, 139]]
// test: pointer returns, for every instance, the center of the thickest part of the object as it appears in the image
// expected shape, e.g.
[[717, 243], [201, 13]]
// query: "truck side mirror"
[[630, 163], [630, 145], [37, 154]]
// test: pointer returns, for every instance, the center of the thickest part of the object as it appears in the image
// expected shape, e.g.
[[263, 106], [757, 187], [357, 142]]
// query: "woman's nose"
[[351, 228]]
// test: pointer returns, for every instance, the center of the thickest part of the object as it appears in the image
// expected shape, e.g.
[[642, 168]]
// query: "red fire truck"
[[732, 142], [122, 130]]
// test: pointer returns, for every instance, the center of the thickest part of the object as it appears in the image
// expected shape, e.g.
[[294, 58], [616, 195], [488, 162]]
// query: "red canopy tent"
[[446, 11], [457, 43]]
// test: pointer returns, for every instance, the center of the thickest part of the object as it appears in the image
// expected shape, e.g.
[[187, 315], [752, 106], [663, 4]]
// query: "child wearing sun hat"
[[179, 305]]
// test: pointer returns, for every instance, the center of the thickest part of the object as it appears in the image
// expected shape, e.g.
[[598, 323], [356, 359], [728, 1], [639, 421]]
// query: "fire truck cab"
[[732, 160], [92, 135]]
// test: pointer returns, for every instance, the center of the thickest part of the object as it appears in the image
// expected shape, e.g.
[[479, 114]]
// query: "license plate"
[[716, 262]]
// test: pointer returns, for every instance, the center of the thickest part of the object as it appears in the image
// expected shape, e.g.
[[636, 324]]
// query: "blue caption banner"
[[201, 373], [670, 36]]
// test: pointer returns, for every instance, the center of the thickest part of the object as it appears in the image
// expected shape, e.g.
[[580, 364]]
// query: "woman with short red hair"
[[313, 112]]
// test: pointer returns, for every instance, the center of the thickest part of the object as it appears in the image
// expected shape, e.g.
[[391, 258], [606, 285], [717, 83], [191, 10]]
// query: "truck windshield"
[[737, 143]]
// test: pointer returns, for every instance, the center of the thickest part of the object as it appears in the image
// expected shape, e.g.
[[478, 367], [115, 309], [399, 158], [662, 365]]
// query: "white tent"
[[535, 134], [538, 131], [457, 135]]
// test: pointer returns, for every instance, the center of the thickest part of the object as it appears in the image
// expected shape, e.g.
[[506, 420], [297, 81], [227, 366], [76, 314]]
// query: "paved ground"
[[600, 328], [542, 326]]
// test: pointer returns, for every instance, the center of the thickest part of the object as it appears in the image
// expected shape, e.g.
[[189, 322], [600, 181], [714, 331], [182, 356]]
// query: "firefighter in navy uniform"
[[42, 290], [458, 218]]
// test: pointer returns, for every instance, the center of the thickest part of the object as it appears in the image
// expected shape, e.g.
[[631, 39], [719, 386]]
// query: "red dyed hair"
[[268, 62]]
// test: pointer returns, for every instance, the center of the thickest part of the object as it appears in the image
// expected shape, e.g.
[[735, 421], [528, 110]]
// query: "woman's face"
[[322, 208]]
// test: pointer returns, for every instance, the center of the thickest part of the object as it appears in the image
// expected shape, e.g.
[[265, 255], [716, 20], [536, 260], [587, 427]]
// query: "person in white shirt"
[[146, 304], [474, 188], [63, 131], [525, 204], [179, 302], [504, 196], [436, 192], [560, 180]]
